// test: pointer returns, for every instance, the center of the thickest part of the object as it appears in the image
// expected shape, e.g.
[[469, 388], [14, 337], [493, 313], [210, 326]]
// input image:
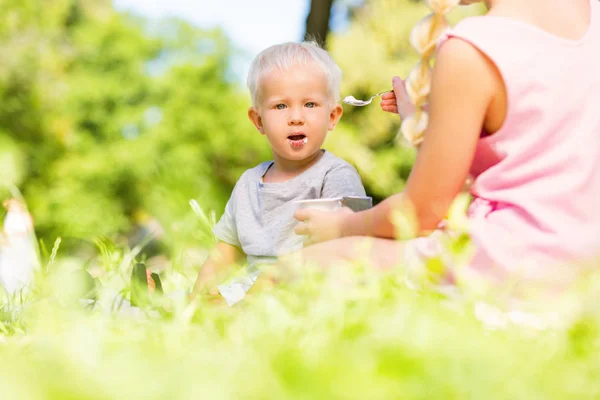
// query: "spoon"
[[359, 103]]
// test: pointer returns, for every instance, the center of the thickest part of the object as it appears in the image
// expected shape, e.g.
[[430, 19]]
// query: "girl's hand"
[[397, 102], [319, 225]]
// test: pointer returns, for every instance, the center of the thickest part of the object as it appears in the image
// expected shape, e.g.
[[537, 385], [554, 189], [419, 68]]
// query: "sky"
[[252, 25]]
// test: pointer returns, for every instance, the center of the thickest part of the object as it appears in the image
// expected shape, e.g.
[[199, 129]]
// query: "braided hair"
[[424, 38]]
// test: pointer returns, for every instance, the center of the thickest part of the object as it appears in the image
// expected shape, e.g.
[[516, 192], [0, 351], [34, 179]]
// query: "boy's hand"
[[319, 225], [206, 286], [397, 101], [209, 295]]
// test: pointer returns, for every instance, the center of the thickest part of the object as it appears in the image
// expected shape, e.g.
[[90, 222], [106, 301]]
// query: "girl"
[[513, 103]]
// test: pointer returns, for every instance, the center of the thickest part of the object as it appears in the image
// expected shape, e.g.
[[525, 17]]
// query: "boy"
[[295, 95]]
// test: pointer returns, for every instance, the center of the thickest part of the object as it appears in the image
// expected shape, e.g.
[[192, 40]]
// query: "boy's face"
[[295, 112]]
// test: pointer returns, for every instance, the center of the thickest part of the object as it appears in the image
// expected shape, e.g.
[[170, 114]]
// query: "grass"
[[309, 338], [344, 333]]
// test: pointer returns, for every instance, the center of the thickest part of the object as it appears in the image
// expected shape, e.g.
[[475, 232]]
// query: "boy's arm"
[[223, 256], [226, 252]]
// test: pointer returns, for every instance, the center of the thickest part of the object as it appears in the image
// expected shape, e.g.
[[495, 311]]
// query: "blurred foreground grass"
[[341, 334]]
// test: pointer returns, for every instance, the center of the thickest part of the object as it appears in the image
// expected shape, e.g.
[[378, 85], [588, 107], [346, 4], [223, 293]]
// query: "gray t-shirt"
[[259, 218]]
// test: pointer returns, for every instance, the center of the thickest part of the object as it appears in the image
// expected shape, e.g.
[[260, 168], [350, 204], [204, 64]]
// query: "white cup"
[[320, 204], [355, 203]]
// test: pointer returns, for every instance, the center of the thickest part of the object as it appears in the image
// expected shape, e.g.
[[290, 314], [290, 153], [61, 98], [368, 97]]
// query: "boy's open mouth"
[[297, 140]]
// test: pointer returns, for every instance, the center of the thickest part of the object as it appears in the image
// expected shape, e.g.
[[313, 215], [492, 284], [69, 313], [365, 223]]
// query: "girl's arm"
[[464, 83]]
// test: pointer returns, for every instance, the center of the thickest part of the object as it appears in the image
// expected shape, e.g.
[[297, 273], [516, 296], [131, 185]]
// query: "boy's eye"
[[310, 104], [280, 106]]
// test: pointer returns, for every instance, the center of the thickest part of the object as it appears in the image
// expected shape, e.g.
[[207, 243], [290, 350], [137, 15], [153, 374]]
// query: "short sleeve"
[[342, 180], [226, 229]]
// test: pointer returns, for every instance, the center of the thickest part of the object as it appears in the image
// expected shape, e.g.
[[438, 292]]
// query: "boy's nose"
[[296, 118]]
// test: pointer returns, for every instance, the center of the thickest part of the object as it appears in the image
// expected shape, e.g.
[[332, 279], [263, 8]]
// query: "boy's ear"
[[256, 119], [334, 116]]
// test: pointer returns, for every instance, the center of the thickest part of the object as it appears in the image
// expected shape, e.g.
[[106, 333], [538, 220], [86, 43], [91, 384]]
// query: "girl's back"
[[537, 178]]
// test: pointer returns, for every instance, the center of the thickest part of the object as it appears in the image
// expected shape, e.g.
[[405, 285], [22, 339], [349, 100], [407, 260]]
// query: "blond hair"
[[282, 57], [424, 38]]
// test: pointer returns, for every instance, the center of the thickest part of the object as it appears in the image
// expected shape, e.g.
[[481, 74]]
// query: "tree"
[[107, 122], [317, 21]]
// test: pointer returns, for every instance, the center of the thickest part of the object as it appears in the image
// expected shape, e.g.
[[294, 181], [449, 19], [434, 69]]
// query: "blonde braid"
[[424, 38]]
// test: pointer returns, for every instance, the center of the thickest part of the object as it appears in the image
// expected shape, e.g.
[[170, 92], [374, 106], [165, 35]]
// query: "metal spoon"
[[360, 103]]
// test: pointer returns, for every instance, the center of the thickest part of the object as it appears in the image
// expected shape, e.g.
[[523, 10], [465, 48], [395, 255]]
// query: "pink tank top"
[[537, 180]]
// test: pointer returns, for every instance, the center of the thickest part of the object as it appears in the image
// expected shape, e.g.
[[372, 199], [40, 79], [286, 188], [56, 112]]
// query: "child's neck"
[[283, 170]]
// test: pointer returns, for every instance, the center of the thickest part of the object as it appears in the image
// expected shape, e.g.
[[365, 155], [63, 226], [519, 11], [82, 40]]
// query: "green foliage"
[[346, 333], [107, 122]]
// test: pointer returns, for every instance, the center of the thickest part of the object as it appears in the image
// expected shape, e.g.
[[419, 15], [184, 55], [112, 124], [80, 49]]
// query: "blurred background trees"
[[109, 124]]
